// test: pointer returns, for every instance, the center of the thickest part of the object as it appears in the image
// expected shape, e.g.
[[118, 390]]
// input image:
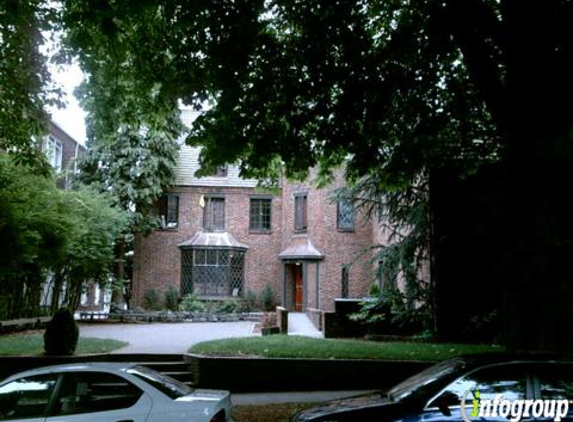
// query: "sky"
[[72, 117]]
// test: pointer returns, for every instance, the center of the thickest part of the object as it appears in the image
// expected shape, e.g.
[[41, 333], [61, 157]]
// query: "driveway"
[[164, 337]]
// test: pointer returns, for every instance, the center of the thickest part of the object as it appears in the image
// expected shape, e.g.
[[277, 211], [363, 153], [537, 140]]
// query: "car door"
[[553, 381], [463, 398], [27, 399], [99, 397]]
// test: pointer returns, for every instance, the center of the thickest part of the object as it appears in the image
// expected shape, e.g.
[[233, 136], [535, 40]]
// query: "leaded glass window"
[[210, 272], [345, 215]]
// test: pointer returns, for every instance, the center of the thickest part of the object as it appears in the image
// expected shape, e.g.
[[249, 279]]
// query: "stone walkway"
[[299, 325], [175, 338], [169, 338]]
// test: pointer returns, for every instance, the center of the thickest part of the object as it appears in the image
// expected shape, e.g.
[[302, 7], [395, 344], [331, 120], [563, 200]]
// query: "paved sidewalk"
[[299, 325], [168, 338]]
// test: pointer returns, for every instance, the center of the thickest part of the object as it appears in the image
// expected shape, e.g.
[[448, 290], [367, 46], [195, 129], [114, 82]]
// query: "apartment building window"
[[345, 215], [345, 281], [54, 152], [169, 211], [300, 212], [260, 214], [214, 214]]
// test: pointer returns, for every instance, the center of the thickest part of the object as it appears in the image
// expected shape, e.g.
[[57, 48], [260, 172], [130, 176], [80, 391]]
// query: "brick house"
[[221, 237], [62, 152]]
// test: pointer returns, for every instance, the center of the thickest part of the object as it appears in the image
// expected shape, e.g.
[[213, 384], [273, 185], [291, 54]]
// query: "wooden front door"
[[298, 290]]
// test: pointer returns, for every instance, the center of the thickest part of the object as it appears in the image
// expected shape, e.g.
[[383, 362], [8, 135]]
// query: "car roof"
[[473, 360], [77, 367]]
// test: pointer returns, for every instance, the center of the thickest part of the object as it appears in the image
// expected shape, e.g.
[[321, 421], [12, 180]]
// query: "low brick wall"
[[12, 364], [261, 374], [282, 319], [315, 316], [252, 374], [23, 324]]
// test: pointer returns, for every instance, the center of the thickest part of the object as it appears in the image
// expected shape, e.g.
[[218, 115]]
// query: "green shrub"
[[374, 290], [62, 333], [171, 298], [268, 298], [250, 302], [151, 300], [229, 306], [192, 303]]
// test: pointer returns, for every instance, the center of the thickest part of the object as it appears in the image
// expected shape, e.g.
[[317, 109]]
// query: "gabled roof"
[[188, 164]]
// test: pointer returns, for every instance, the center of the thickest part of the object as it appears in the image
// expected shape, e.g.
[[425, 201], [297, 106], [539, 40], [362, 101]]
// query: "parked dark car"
[[512, 388]]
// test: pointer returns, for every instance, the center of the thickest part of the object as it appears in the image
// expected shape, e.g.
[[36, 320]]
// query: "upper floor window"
[[54, 152], [221, 171], [214, 213], [260, 214], [300, 211], [345, 214], [169, 211]]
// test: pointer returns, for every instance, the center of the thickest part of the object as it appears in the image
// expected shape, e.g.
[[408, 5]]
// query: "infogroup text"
[[514, 410]]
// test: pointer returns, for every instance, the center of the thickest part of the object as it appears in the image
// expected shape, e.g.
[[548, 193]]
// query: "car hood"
[[205, 396], [341, 406]]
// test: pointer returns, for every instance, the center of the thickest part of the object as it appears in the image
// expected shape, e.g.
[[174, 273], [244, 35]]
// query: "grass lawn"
[[268, 413], [281, 346], [33, 344]]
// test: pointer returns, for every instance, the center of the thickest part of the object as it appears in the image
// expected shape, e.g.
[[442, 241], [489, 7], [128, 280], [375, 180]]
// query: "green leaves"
[[25, 84], [45, 230]]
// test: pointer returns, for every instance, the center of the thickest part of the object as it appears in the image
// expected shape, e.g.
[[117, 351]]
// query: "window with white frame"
[[54, 152], [169, 211]]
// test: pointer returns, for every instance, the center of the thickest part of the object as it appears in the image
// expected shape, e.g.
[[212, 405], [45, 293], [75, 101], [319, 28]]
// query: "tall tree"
[[25, 84], [400, 86], [49, 234], [133, 124]]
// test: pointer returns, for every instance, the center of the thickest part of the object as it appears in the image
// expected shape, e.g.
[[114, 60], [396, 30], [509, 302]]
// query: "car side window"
[[89, 392], [26, 397], [554, 381], [484, 384]]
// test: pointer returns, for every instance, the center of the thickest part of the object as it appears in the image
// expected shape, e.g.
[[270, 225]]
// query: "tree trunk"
[[119, 272], [539, 171]]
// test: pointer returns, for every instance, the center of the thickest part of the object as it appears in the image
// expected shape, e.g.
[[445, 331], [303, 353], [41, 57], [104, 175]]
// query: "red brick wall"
[[338, 247], [158, 259]]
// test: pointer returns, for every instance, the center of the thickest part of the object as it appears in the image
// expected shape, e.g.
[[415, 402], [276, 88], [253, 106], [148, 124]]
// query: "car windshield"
[[421, 383], [167, 385]]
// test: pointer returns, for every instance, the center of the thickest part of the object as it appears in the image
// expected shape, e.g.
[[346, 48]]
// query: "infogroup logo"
[[514, 410]]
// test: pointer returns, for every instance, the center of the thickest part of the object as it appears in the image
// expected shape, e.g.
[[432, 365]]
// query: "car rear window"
[[167, 385]]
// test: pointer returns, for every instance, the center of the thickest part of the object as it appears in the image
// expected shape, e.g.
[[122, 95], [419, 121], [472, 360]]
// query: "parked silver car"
[[107, 392]]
